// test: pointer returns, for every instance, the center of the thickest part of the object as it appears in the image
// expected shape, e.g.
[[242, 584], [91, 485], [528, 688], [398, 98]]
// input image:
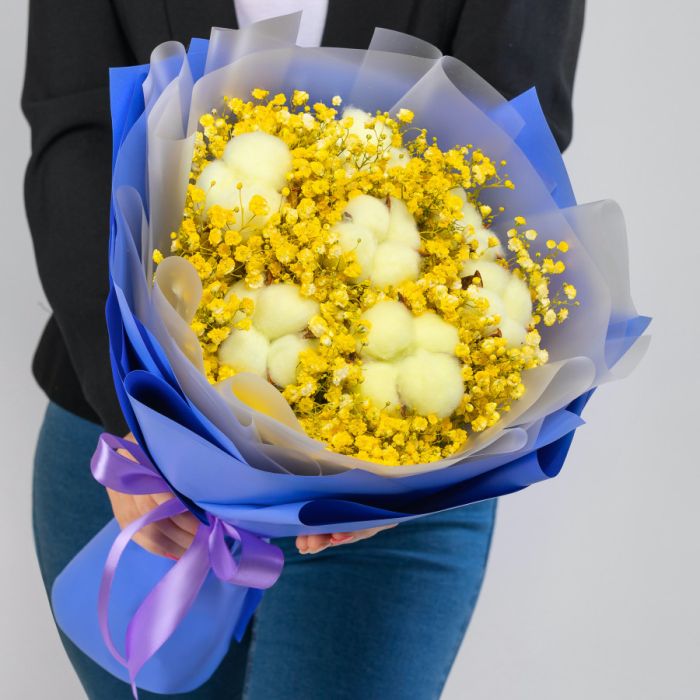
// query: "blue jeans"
[[377, 619]]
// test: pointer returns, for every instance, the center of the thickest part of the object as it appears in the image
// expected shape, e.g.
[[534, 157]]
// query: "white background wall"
[[593, 585]]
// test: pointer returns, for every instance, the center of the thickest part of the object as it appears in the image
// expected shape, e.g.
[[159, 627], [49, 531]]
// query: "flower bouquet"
[[348, 289]]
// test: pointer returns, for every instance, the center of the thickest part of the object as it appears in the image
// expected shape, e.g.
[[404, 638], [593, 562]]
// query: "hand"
[[313, 544], [167, 538]]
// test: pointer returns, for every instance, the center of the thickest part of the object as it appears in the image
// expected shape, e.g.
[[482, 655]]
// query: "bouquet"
[[348, 288]]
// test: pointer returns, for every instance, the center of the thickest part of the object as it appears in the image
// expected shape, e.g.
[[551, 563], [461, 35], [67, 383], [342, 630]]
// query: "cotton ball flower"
[[474, 229], [242, 291], [493, 276], [470, 215], [496, 306], [379, 384], [513, 332], [219, 185], [259, 157], [430, 382], [391, 330], [271, 196], [434, 334], [245, 351], [517, 301], [281, 309], [371, 213], [402, 225], [394, 263], [283, 358], [359, 240], [398, 157], [379, 134]]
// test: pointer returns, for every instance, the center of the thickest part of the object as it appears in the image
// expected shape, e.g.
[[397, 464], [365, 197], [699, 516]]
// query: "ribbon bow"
[[256, 564]]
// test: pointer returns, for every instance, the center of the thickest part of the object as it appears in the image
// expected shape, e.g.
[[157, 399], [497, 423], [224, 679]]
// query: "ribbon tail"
[[168, 509]]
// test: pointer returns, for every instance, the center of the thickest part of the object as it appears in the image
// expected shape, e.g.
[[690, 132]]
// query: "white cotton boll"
[[470, 215], [268, 193], [496, 306], [242, 291], [398, 157], [459, 192], [391, 330], [359, 119], [431, 382], [261, 157], [281, 309], [513, 332], [283, 358], [379, 384], [493, 276], [219, 184], [434, 334], [517, 301], [402, 225], [483, 236], [245, 351], [361, 241], [394, 263], [370, 212]]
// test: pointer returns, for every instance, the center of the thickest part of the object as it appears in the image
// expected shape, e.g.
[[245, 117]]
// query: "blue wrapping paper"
[[179, 432]]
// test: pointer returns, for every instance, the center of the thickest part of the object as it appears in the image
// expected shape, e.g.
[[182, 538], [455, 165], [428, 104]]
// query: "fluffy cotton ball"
[[402, 225], [391, 330], [517, 301], [493, 276], [370, 212], [513, 332], [398, 157], [260, 157], [483, 236], [245, 351], [394, 263], [219, 184], [281, 309], [470, 214], [459, 192], [496, 306], [241, 290], [430, 382], [283, 358], [379, 134], [379, 383], [360, 240], [434, 334]]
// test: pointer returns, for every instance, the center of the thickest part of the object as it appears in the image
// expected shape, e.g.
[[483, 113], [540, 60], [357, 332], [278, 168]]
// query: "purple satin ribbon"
[[257, 564]]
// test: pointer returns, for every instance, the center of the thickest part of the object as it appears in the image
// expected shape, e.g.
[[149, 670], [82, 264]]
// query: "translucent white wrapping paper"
[[397, 71]]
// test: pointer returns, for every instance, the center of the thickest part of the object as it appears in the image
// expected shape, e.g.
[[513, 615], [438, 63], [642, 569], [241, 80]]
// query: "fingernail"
[[171, 556], [338, 539]]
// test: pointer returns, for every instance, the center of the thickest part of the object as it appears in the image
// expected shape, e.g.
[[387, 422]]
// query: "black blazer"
[[514, 44]]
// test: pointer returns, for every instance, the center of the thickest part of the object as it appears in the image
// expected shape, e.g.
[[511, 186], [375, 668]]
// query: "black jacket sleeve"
[[516, 45], [67, 187]]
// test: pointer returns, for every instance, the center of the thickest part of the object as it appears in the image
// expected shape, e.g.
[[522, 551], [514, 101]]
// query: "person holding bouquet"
[[383, 617]]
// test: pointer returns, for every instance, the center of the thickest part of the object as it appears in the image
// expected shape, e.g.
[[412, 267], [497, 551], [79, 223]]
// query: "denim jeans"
[[378, 619]]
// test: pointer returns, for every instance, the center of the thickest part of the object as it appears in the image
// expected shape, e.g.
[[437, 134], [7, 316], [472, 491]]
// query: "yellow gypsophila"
[[296, 243]]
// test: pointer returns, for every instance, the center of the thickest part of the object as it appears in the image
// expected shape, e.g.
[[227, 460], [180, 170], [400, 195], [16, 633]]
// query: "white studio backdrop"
[[592, 586]]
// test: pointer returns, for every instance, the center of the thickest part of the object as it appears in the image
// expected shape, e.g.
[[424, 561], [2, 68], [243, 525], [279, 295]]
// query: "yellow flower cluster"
[[330, 166]]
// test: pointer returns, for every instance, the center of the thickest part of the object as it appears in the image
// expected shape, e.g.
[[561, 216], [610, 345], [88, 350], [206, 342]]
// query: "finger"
[[175, 534], [164, 534], [152, 540], [317, 543], [185, 521], [349, 537]]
